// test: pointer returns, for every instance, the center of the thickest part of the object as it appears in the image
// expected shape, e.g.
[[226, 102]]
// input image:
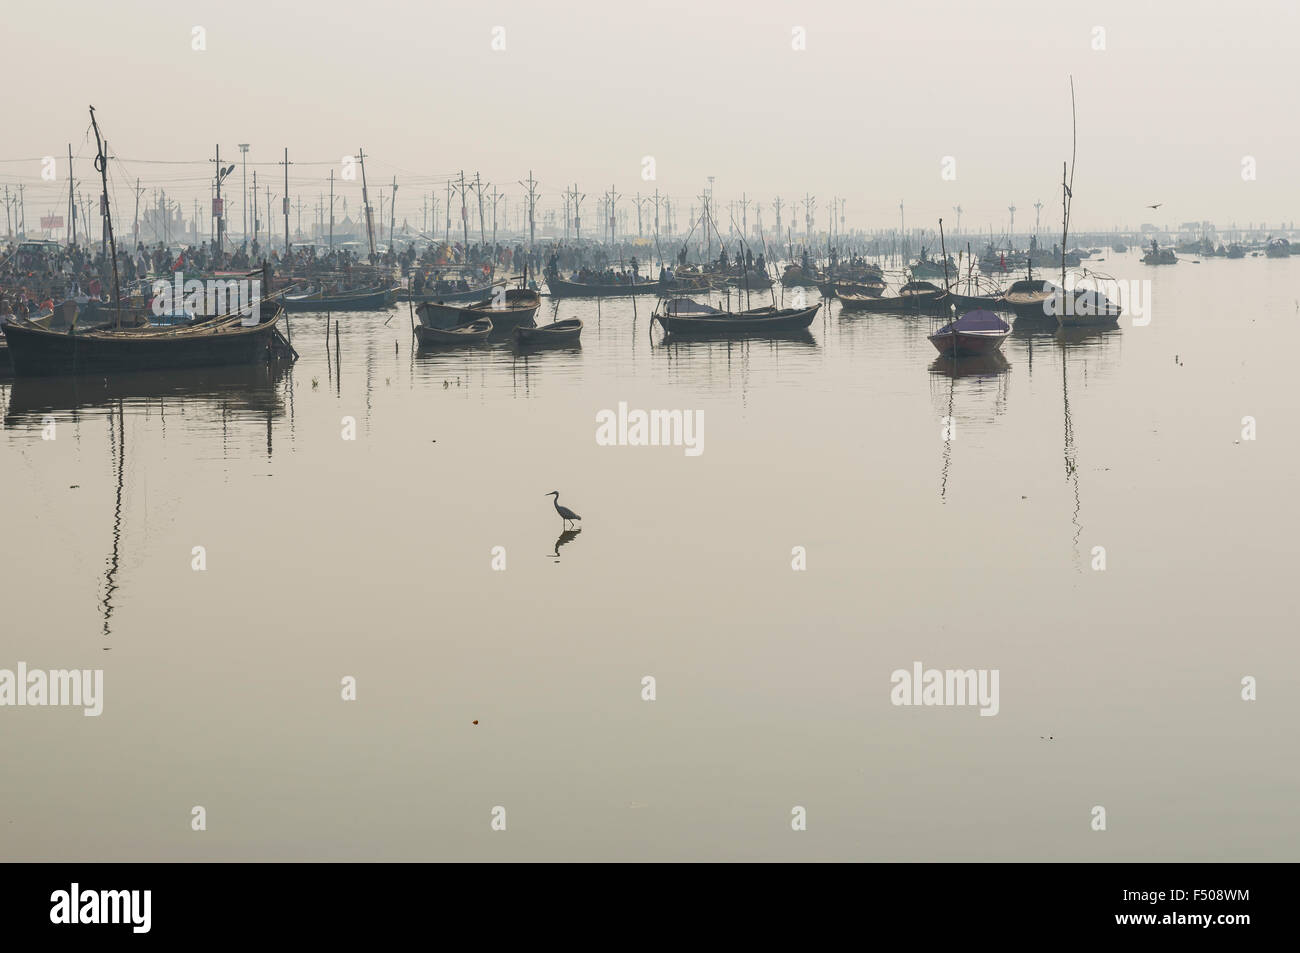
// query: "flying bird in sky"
[[1157, 205]]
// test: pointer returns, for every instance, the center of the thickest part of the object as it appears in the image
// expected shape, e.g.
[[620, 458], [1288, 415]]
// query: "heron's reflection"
[[566, 537]]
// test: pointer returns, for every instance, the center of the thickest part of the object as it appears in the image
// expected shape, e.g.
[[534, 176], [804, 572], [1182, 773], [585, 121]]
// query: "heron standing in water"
[[566, 514]]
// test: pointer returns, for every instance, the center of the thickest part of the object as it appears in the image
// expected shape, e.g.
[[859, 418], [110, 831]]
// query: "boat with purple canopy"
[[974, 333]]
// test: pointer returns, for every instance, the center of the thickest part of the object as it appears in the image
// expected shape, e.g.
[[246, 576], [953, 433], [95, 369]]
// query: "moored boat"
[[1028, 297], [973, 334], [555, 334], [685, 317], [564, 288], [858, 289], [473, 332], [508, 308], [915, 297], [36, 350], [1085, 308], [1159, 256], [375, 299]]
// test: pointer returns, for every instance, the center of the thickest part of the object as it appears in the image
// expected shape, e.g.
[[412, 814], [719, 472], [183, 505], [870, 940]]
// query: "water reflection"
[[566, 537], [982, 365], [250, 389], [117, 444], [979, 379]]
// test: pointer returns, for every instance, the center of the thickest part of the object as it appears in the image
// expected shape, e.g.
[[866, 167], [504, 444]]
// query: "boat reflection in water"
[[676, 342], [980, 365], [254, 389], [972, 382]]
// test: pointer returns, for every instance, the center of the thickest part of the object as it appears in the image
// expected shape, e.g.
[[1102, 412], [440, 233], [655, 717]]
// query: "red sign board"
[[216, 207], [51, 221]]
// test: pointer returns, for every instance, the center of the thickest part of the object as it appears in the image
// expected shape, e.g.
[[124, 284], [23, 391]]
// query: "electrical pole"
[[135, 227], [496, 198], [482, 224], [612, 205], [217, 210], [287, 243], [331, 210], [243, 205], [72, 206], [708, 215], [532, 207], [464, 213], [577, 214]]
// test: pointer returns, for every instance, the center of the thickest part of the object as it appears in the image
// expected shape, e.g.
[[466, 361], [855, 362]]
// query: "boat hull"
[[901, 304], [371, 301], [968, 343], [476, 332], [560, 288], [516, 309], [761, 321], [37, 352], [474, 294], [559, 334]]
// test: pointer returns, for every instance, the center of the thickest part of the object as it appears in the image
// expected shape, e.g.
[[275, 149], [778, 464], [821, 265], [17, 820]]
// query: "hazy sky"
[[583, 90]]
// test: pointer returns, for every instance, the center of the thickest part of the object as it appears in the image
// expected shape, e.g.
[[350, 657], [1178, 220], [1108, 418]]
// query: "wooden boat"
[[473, 294], [1159, 256], [990, 302], [915, 297], [37, 350], [563, 288], [1028, 297], [556, 334], [1278, 248], [752, 280], [973, 334], [870, 288], [861, 284], [508, 308], [375, 299], [1088, 308], [926, 267], [796, 276], [685, 317], [473, 332], [856, 300]]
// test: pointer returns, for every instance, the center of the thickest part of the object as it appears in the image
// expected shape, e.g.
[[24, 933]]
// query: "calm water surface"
[[373, 558]]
